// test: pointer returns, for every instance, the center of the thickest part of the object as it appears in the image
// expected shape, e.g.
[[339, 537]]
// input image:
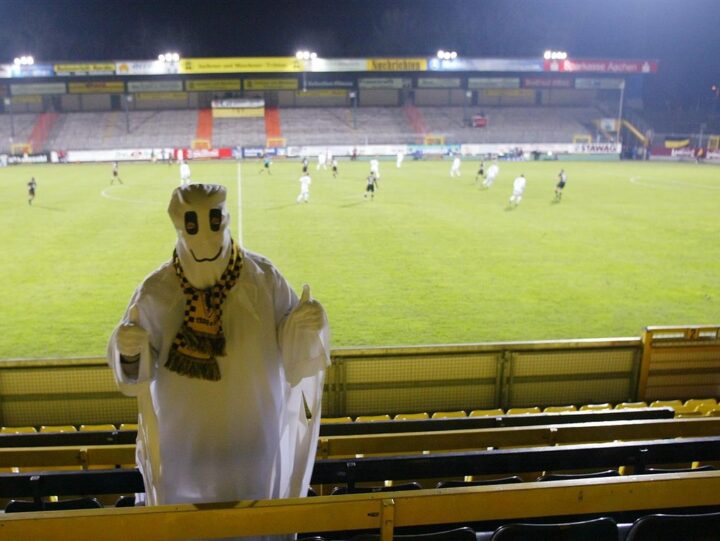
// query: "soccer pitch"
[[432, 259]]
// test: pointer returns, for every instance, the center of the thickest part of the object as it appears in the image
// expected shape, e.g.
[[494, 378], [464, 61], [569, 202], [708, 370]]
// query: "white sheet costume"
[[242, 432]]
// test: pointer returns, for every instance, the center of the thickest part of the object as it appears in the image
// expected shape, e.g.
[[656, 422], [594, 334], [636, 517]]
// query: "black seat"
[[571, 476], [458, 534], [480, 483], [125, 501], [706, 467], [701, 527], [22, 506], [599, 529], [368, 490]]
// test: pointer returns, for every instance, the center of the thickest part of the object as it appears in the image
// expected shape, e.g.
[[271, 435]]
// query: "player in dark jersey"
[[481, 171], [115, 174], [372, 185], [334, 168], [305, 164], [31, 190], [562, 179], [266, 164]]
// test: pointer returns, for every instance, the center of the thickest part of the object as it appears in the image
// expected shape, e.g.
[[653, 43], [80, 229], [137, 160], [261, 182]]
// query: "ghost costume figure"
[[220, 352]]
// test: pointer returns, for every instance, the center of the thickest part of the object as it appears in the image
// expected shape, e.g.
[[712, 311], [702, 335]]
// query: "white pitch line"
[[125, 199], [670, 184], [239, 203]]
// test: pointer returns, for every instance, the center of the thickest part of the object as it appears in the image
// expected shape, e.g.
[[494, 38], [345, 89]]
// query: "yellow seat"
[[715, 412], [702, 404], [17, 430], [630, 405], [596, 407], [97, 428], [674, 404], [523, 411], [448, 414], [372, 418], [128, 426], [58, 428], [335, 420], [487, 413], [688, 411], [411, 416], [559, 409]]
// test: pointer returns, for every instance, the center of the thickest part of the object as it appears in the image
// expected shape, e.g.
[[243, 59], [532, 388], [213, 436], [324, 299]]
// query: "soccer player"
[[266, 164], [455, 169], [305, 165], [305, 182], [375, 168], [321, 161], [481, 171], [184, 173], [518, 190], [334, 168], [493, 171], [31, 185], [372, 185], [115, 174], [399, 159], [562, 179]]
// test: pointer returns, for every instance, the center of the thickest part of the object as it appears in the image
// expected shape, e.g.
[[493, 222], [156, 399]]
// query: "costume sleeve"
[[132, 386], [303, 335]]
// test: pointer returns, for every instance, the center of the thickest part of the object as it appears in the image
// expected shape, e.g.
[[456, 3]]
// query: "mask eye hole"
[[191, 222], [215, 219]]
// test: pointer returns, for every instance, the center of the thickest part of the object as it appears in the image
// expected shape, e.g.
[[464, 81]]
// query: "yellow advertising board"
[[202, 85], [241, 65], [322, 93], [271, 84], [163, 96], [239, 112], [34, 100], [396, 64], [85, 69], [97, 87]]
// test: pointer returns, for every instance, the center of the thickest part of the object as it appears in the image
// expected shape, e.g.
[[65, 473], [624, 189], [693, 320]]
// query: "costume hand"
[[309, 313], [131, 337]]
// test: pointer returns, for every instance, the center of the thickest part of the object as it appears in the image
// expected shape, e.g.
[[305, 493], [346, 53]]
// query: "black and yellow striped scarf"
[[201, 337]]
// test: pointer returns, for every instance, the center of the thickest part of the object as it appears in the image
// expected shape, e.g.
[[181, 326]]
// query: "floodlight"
[[441, 54], [161, 57], [555, 55], [169, 57], [24, 60], [306, 55], [453, 55]]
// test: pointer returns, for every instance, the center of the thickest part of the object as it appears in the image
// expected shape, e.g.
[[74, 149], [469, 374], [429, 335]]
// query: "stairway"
[[273, 129], [204, 129], [41, 131]]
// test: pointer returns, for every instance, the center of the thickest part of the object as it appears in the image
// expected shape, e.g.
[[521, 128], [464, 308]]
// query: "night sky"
[[683, 34]]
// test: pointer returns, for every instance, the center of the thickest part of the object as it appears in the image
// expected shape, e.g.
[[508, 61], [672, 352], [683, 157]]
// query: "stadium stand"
[[246, 131], [23, 124]]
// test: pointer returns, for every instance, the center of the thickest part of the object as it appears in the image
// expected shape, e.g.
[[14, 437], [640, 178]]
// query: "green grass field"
[[430, 260]]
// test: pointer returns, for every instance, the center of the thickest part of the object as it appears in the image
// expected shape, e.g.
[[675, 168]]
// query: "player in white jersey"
[[455, 169], [518, 190], [375, 167], [399, 159], [184, 173], [492, 172], [321, 161], [305, 182]]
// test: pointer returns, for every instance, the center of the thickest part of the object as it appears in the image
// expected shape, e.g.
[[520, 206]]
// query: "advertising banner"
[[150, 67], [396, 64], [155, 86], [388, 82], [243, 112], [258, 152], [270, 84], [237, 103], [97, 87], [322, 93], [161, 96], [494, 82], [329, 83], [486, 64], [33, 100], [546, 82], [5, 71], [28, 158], [336, 64], [36, 70], [204, 85], [37, 89], [603, 83], [210, 153], [510, 92], [241, 65], [680, 142], [602, 66], [597, 148], [85, 69], [439, 82]]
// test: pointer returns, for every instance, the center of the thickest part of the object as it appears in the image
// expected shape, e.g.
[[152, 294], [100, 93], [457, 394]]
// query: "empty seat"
[[706, 467], [97, 428], [448, 414], [674, 404], [702, 404], [128, 426], [479, 483], [487, 413], [21, 506], [17, 430], [599, 529], [581, 475], [411, 416], [58, 428], [559, 409], [630, 405], [458, 534], [125, 501], [596, 407], [523, 411], [661, 527], [370, 490], [371, 418], [335, 420]]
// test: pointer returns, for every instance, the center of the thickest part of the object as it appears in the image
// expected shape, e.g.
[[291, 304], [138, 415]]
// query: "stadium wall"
[[379, 98]]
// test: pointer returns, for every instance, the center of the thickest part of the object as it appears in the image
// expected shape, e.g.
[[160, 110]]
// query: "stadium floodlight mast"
[[555, 55], [306, 55], [447, 55], [169, 57], [24, 60]]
